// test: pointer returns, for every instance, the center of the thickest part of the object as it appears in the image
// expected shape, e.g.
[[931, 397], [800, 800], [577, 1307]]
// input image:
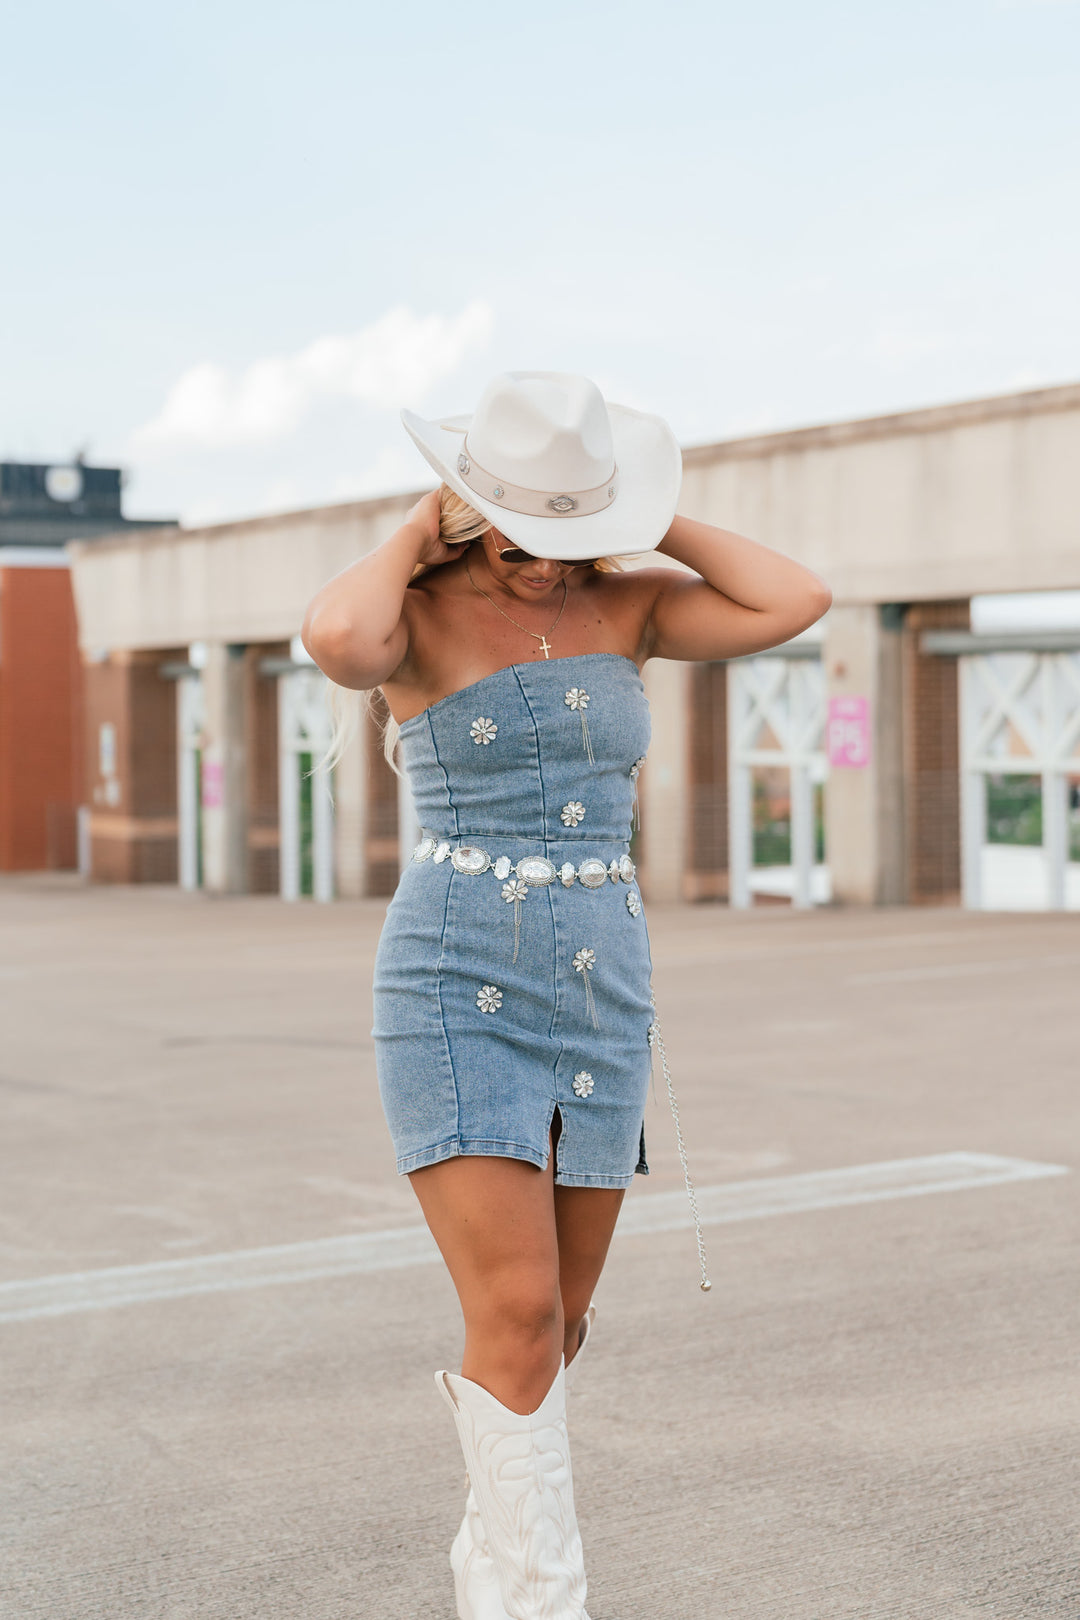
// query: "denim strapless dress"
[[513, 973]]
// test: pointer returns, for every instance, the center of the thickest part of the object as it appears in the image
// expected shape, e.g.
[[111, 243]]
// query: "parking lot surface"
[[874, 1414]]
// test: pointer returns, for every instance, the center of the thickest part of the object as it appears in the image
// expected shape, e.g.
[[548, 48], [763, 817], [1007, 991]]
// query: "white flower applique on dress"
[[583, 1083], [483, 731], [489, 998], [573, 813]]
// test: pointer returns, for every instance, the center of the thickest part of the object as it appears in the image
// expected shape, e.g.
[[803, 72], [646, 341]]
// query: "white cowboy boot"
[[520, 1471], [476, 1580]]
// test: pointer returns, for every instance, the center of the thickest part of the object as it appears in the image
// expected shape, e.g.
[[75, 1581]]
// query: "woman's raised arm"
[[747, 597], [355, 628]]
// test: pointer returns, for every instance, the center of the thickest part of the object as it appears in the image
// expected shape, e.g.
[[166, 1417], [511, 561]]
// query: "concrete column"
[[665, 781], [864, 802], [408, 822], [350, 807], [224, 771]]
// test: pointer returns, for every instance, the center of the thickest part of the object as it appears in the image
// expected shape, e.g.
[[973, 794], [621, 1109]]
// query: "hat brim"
[[649, 461]]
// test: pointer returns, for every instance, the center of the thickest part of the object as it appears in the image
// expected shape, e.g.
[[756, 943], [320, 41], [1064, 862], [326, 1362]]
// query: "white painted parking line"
[[832, 1189], [395, 1249]]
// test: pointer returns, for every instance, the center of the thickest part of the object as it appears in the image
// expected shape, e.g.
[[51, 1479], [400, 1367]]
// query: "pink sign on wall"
[[848, 731], [213, 784]]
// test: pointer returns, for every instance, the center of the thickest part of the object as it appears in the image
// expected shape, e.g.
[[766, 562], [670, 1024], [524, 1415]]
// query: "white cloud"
[[393, 362]]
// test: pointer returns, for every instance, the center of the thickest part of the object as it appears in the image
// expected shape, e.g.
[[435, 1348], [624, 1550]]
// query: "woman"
[[513, 1015]]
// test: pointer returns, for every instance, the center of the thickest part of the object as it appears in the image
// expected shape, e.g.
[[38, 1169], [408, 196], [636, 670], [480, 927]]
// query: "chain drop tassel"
[[656, 1041], [517, 927], [585, 738], [590, 1002]]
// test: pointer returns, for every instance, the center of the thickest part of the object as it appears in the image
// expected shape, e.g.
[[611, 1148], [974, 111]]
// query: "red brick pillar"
[[131, 767], [707, 806], [931, 753], [261, 730], [40, 740], [382, 863]]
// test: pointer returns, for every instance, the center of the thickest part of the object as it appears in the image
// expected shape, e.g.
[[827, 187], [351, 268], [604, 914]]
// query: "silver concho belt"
[[535, 871]]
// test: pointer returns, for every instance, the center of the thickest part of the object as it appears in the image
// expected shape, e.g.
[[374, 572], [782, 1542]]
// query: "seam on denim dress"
[[450, 805], [550, 895], [560, 1145], [442, 948], [536, 747], [457, 1147]]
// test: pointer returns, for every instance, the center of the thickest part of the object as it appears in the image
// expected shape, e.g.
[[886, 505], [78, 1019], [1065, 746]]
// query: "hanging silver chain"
[[656, 1039]]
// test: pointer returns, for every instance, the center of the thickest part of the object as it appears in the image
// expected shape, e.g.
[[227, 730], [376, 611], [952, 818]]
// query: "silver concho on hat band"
[[535, 502]]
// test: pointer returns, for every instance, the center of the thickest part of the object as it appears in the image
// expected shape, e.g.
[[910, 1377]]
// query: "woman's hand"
[[425, 518], [355, 628]]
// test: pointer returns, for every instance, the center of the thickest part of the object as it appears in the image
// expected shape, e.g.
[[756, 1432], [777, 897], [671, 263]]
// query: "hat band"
[[535, 502]]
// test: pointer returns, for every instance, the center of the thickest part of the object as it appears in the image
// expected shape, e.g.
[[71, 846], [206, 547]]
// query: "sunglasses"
[[514, 554]]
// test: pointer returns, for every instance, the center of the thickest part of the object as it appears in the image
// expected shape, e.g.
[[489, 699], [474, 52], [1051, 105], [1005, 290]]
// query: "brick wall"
[[131, 783], [707, 797], [381, 816], [931, 749], [261, 730], [40, 739]]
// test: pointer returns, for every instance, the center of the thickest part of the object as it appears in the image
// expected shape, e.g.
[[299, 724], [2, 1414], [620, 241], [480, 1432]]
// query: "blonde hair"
[[458, 522]]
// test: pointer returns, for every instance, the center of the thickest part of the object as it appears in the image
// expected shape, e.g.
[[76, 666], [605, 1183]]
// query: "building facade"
[[41, 711], [847, 765]]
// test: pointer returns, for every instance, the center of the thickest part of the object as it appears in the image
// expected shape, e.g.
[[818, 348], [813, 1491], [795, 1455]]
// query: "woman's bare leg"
[[524, 1256], [584, 1222], [494, 1222]]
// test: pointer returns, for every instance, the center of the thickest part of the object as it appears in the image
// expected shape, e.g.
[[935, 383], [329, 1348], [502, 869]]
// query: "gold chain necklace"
[[545, 645]]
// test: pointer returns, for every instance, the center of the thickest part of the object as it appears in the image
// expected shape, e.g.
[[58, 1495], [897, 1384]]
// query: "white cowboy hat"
[[557, 470]]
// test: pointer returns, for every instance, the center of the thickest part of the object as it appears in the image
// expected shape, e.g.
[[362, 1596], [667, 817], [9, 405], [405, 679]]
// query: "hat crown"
[[545, 430]]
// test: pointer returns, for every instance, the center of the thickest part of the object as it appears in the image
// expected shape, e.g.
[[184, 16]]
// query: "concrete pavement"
[[874, 1414]]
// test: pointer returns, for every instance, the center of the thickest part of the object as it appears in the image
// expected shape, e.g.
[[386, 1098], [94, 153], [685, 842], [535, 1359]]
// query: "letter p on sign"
[[848, 731]]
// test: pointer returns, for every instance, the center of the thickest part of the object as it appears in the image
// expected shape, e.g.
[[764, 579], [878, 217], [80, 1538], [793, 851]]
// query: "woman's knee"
[[522, 1302]]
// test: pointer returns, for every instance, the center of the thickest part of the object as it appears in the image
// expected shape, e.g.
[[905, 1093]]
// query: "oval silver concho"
[[536, 870], [592, 873], [424, 849], [470, 859], [626, 869]]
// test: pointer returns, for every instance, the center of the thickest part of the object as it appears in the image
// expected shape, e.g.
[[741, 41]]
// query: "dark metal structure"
[[47, 504]]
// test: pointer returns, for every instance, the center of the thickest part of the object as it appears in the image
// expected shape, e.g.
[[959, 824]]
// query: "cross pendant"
[[545, 646]]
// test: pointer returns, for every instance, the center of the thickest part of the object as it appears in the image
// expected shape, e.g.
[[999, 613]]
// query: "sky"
[[237, 239]]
